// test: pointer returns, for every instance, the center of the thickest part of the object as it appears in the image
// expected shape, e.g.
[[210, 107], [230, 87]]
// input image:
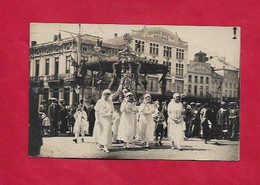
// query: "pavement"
[[193, 149]]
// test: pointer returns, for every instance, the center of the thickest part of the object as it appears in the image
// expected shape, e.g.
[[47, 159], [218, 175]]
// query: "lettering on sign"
[[199, 67], [231, 74], [158, 34]]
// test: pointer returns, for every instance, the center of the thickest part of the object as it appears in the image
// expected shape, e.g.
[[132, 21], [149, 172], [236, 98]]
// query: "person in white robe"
[[127, 121], [80, 123], [175, 121], [146, 110], [104, 111], [115, 126], [106, 98]]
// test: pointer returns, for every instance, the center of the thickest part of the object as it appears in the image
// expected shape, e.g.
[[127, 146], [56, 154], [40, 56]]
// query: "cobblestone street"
[[193, 149]]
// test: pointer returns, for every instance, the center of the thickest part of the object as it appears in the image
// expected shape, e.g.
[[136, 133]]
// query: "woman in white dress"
[[104, 111], [127, 121], [80, 123], [146, 110], [175, 121]]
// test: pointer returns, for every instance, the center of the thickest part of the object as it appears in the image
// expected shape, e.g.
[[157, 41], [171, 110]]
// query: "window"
[[37, 68], [195, 89], [235, 94], [201, 79], [154, 61], [67, 95], [167, 51], [46, 94], [139, 46], [230, 93], [230, 85], [47, 66], [179, 54], [196, 79], [56, 65], [168, 64], [226, 85], [68, 60], [179, 69], [235, 86], [154, 49], [207, 90], [68, 45], [189, 89], [190, 78], [226, 93], [201, 90], [56, 93], [207, 80]]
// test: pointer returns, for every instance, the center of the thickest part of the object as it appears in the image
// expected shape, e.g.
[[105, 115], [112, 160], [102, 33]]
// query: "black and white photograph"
[[122, 91]]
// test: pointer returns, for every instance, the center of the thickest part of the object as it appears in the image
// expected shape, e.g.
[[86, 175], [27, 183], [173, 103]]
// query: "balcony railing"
[[36, 78]]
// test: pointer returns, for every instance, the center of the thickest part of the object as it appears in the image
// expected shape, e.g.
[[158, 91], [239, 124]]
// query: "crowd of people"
[[144, 121]]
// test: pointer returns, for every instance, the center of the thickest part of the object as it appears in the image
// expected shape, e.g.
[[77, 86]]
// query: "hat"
[[176, 95], [223, 103], [147, 95], [192, 103], [53, 99], [43, 101], [198, 103], [129, 94], [106, 91]]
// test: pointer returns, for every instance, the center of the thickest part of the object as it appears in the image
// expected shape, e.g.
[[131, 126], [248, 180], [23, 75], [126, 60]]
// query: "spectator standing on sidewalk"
[[53, 113], [205, 122], [221, 119]]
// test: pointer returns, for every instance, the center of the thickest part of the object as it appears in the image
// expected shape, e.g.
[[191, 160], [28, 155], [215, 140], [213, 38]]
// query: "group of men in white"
[[132, 122]]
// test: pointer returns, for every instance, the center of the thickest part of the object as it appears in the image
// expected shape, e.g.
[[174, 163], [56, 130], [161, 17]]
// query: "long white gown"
[[103, 129], [146, 121], [127, 121], [175, 130]]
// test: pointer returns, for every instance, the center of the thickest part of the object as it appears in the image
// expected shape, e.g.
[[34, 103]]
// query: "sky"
[[215, 41]]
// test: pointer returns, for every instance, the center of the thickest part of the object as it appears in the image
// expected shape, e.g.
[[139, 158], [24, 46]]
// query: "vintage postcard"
[[116, 91]]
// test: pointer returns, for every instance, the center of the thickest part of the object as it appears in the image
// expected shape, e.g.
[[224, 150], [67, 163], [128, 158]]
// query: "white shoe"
[[106, 150]]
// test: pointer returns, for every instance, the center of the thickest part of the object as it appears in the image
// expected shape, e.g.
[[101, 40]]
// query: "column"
[[51, 93], [61, 93], [71, 96]]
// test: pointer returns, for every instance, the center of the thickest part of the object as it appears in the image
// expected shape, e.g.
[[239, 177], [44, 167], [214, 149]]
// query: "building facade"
[[161, 46], [52, 69], [51, 66]]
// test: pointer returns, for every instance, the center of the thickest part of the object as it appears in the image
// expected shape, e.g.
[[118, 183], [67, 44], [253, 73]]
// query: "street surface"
[[193, 149]]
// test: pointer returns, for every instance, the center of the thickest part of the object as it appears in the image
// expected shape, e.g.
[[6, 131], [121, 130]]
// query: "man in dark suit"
[[53, 113]]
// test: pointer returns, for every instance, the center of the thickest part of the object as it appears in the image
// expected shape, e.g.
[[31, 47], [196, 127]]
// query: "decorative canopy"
[[107, 63]]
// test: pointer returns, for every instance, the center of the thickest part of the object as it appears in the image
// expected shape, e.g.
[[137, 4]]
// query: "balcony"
[[36, 78]]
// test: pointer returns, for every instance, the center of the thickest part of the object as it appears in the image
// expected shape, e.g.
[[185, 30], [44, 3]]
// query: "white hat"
[[106, 91], [129, 94], [147, 95], [176, 95]]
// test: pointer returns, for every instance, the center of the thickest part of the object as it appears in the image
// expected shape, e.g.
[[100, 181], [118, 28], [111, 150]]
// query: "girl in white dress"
[[80, 123], [146, 110], [175, 121], [127, 121], [104, 111]]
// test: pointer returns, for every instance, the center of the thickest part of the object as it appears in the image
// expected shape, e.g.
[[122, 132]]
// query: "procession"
[[144, 121], [131, 94]]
